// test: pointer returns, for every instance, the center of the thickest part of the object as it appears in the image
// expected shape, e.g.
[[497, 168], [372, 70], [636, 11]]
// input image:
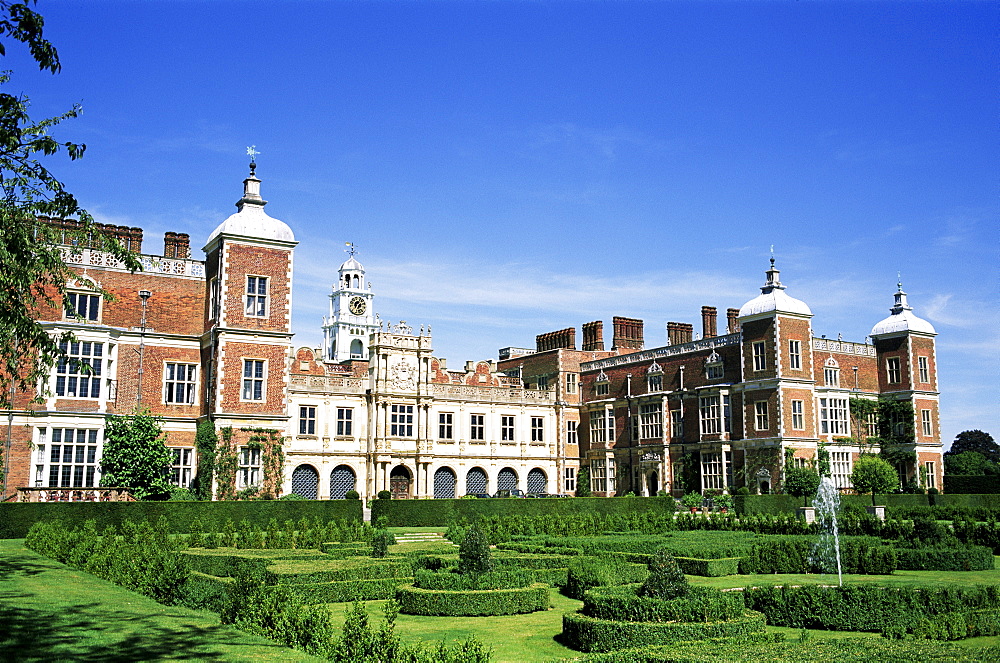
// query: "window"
[[650, 421], [345, 422], [248, 468], [571, 384], [182, 466], [446, 430], [892, 369], [708, 410], [78, 372], [923, 369], [715, 371], [711, 471], [602, 388], [84, 307], [795, 355], [655, 382], [477, 427], [599, 475], [253, 379], [179, 383], [602, 426], [72, 458], [833, 416], [537, 429], [760, 415], [256, 296], [800, 462], [506, 428], [571, 435], [215, 299], [840, 468], [831, 373], [925, 422], [401, 420], [569, 479], [676, 424], [307, 420], [759, 358], [543, 382], [798, 415], [930, 479]]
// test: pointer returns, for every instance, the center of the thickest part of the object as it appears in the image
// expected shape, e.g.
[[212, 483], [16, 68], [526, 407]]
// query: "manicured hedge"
[[709, 568], [538, 548], [794, 554], [414, 601], [700, 604], [436, 513], [315, 571], [775, 504], [528, 561], [553, 577], [205, 592], [452, 581], [864, 607], [585, 573], [591, 634], [958, 625], [231, 562], [942, 558], [17, 518], [983, 485], [348, 590]]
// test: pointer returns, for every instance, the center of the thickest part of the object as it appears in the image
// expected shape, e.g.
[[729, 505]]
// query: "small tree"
[[474, 553], [801, 482], [666, 580], [873, 475], [583, 482], [135, 457]]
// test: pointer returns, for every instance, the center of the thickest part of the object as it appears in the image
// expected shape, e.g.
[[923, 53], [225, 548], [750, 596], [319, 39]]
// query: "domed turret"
[[902, 319], [251, 220], [772, 299]]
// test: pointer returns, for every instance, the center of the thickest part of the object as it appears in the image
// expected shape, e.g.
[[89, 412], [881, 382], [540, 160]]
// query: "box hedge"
[[471, 603], [983, 485], [348, 590], [16, 518], [709, 568], [295, 572], [438, 513], [945, 558], [699, 604], [591, 634]]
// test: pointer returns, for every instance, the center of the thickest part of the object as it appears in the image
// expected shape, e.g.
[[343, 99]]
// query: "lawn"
[[50, 612]]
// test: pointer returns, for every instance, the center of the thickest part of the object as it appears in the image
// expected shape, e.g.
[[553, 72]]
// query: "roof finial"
[[772, 255], [350, 251], [252, 153], [899, 281]]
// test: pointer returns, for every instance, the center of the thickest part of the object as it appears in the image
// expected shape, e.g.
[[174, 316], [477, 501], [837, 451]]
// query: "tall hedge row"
[[17, 518], [956, 483], [471, 603], [591, 634], [439, 513]]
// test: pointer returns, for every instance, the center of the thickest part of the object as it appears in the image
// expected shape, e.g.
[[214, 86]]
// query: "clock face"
[[357, 306]]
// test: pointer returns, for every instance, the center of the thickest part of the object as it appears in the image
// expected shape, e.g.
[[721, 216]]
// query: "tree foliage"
[[33, 275], [873, 475], [801, 482], [976, 440], [135, 457], [969, 463], [205, 441], [474, 553]]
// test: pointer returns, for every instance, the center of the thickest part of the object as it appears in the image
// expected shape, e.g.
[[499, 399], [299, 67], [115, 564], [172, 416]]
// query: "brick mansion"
[[375, 409]]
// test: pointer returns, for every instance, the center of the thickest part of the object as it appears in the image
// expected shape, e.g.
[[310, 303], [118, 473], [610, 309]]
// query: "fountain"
[[826, 554]]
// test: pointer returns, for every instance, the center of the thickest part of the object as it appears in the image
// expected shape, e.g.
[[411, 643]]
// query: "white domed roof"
[[772, 299], [902, 319], [351, 264], [251, 220]]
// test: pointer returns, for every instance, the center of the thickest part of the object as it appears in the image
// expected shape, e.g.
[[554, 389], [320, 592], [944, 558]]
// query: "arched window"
[[305, 481], [506, 479], [536, 481], [341, 480], [357, 281], [357, 349], [347, 280], [475, 481], [444, 483]]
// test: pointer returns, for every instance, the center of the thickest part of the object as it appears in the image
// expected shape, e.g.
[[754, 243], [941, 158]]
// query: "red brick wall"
[[231, 380], [796, 329], [243, 260], [759, 330], [808, 412], [893, 347], [155, 358], [924, 347]]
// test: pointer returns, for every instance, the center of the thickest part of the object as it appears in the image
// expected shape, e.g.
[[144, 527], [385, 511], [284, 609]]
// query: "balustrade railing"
[[84, 494]]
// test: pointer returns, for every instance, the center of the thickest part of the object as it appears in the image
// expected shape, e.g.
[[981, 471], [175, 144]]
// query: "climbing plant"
[[206, 441], [272, 459], [226, 466]]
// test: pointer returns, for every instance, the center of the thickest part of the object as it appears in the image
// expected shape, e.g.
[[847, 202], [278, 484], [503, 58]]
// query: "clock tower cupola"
[[352, 320]]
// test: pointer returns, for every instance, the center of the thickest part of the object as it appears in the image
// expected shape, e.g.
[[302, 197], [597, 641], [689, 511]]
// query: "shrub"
[[352, 495], [293, 497], [384, 495], [666, 580], [945, 558], [416, 601], [700, 604], [452, 581], [588, 572], [381, 541], [474, 552], [592, 634]]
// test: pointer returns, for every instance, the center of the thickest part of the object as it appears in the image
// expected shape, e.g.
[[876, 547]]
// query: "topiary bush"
[[666, 580], [588, 572], [474, 552]]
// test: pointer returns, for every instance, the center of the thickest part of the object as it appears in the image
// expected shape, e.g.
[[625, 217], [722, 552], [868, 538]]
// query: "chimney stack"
[[564, 338], [628, 333], [732, 315], [709, 327], [593, 336]]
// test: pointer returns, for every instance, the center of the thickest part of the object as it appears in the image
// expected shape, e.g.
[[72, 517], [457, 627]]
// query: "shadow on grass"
[[37, 636], [23, 567]]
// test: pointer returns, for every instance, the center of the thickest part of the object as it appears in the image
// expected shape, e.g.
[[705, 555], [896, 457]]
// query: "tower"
[[347, 330]]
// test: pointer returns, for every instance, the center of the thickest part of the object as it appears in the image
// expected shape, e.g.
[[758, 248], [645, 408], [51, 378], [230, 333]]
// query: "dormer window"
[[831, 373], [84, 306], [714, 367], [602, 386], [654, 378]]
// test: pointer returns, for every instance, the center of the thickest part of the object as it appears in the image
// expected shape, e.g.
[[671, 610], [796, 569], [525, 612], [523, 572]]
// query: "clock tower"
[[352, 320]]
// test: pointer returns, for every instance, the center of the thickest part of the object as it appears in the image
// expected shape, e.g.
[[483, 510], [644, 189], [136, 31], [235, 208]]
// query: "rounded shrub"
[[472, 603], [666, 580], [384, 495], [352, 495]]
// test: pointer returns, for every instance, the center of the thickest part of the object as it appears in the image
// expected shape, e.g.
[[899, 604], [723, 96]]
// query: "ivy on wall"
[[272, 459], [226, 466]]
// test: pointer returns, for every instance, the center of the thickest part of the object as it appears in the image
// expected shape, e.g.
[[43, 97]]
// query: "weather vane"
[[351, 251], [252, 153]]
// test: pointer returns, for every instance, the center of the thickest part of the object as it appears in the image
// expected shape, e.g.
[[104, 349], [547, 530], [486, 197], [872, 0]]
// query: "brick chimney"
[[685, 332], [627, 333], [593, 336], [564, 338], [732, 318], [708, 322], [672, 333]]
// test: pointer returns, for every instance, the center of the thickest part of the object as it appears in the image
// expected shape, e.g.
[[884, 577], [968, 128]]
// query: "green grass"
[[50, 612]]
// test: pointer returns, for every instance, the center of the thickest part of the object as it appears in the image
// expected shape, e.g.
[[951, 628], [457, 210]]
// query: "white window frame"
[[345, 422], [834, 416], [86, 306], [840, 468], [249, 469], [651, 421], [676, 424], [795, 355], [759, 356], [654, 382], [893, 374], [831, 376], [255, 383], [446, 426], [930, 479], [599, 475], [798, 415], [711, 471], [508, 428], [569, 479], [400, 420], [182, 466], [215, 298], [70, 378], [926, 423], [538, 429], [602, 388], [599, 425], [923, 370], [174, 382], [710, 414], [572, 435], [257, 297], [307, 420], [715, 371], [477, 428], [572, 382], [76, 467], [762, 420]]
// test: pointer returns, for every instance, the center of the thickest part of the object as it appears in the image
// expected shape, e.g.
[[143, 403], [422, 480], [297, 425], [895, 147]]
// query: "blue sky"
[[511, 168]]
